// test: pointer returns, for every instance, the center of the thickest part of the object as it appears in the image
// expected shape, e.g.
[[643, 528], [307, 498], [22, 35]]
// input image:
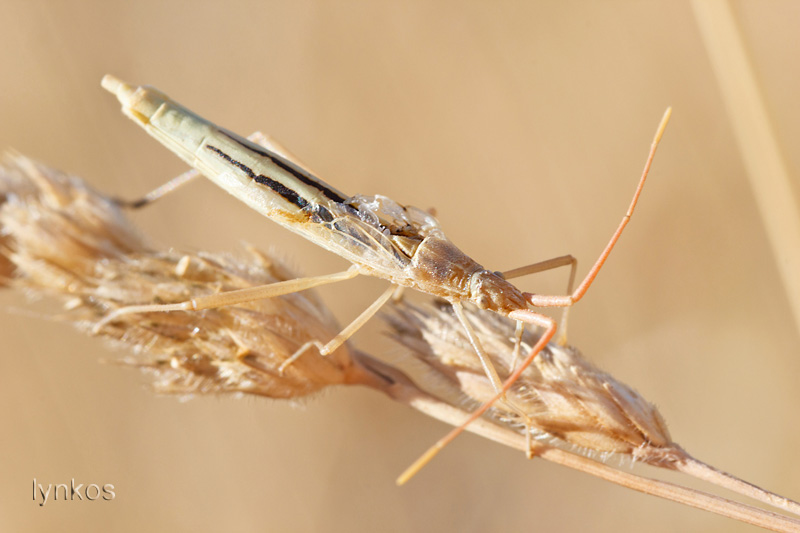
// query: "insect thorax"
[[441, 269]]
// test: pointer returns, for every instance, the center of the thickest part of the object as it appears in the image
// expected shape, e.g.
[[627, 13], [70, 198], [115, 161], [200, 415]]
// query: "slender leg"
[[161, 191], [398, 294], [346, 333], [541, 300], [549, 264], [524, 315], [531, 317], [488, 367], [517, 343], [175, 183], [541, 266], [249, 294]]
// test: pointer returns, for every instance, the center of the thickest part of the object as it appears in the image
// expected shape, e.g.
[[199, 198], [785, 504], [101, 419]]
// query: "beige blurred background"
[[526, 125]]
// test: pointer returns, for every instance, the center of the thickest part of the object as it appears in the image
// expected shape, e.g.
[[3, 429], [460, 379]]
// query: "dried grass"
[[60, 238]]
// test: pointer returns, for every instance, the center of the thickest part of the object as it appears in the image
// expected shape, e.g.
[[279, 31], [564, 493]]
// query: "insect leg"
[[346, 333], [240, 296], [257, 137], [160, 191], [540, 300], [531, 317], [486, 363], [518, 332], [488, 367], [541, 266], [525, 315]]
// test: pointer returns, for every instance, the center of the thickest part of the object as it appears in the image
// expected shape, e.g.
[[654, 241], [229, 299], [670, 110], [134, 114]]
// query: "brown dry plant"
[[60, 238], [564, 396]]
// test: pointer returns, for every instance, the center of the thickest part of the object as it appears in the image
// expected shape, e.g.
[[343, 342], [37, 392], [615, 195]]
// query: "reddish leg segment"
[[531, 317], [540, 300], [524, 315], [565, 260]]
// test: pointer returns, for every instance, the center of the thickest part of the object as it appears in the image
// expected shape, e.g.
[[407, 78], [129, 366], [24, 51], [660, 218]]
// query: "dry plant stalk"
[[60, 238], [565, 397], [772, 184], [65, 239]]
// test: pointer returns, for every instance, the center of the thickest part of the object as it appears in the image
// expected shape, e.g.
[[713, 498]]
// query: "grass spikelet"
[[60, 238], [565, 396]]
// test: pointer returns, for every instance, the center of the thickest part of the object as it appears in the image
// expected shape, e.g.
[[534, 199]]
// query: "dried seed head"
[[59, 237], [565, 397]]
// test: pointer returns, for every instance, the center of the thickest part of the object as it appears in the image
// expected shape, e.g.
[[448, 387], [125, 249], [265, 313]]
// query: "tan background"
[[526, 125]]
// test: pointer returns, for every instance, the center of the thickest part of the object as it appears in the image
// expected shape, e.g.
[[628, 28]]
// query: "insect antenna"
[[531, 317]]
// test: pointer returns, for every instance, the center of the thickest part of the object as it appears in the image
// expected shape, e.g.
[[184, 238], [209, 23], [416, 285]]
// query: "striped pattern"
[[301, 175], [278, 187]]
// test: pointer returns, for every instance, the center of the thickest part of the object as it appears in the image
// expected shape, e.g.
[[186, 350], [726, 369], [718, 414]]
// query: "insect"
[[380, 237]]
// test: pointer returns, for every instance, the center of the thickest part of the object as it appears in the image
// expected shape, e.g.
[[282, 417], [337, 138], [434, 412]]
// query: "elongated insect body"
[[402, 244], [239, 166], [380, 237]]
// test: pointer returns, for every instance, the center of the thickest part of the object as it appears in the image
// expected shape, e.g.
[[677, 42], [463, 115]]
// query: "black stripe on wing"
[[289, 167], [278, 187]]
